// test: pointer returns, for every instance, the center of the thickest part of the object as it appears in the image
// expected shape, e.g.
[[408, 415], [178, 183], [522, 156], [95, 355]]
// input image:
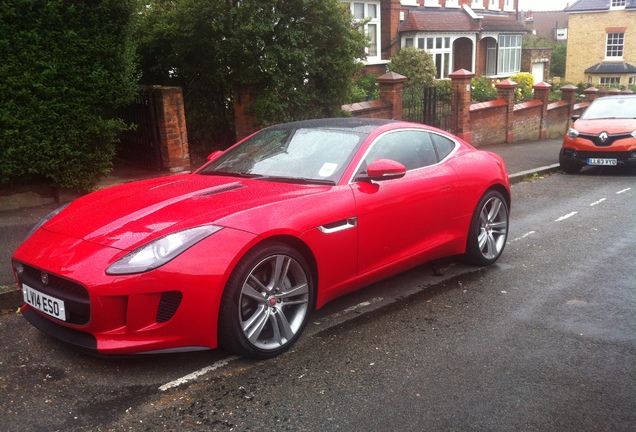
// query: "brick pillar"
[[506, 91], [591, 93], [568, 94], [460, 104], [244, 121], [173, 133], [391, 89], [542, 93]]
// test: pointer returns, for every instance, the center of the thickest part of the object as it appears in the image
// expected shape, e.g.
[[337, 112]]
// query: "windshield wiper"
[[298, 180], [230, 174]]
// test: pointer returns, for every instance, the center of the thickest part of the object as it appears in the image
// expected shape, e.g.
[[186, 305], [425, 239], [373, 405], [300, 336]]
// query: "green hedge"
[[66, 67]]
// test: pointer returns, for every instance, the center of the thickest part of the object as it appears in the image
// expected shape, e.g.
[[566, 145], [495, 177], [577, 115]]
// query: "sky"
[[544, 5]]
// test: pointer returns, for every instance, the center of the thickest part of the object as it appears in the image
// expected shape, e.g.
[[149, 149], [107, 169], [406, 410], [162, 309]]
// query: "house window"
[[491, 57], [493, 5], [509, 5], [610, 81], [509, 55], [561, 33], [631, 80], [408, 42], [370, 11], [614, 47], [618, 4], [477, 4], [440, 48]]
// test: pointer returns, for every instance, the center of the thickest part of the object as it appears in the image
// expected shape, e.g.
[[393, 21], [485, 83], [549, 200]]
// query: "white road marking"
[[562, 218], [597, 202], [624, 190], [195, 375], [524, 236]]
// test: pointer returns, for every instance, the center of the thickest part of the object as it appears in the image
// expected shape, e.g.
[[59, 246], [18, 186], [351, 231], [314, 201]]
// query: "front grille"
[[75, 297], [168, 305], [596, 140]]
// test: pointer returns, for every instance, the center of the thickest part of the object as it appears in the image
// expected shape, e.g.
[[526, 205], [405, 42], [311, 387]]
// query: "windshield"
[[609, 107], [307, 155]]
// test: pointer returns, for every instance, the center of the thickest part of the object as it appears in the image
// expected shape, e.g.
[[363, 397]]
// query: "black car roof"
[[361, 125]]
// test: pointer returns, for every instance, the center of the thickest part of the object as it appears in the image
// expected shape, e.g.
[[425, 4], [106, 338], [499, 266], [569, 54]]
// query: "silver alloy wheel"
[[274, 301], [493, 228]]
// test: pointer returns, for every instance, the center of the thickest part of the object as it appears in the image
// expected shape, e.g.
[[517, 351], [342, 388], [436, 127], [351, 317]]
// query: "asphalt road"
[[543, 340]]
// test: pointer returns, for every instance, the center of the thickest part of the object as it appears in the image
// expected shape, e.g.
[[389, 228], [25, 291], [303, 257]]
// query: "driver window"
[[413, 149]]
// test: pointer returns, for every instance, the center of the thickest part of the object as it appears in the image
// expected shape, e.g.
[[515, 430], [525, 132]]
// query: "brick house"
[[601, 43], [480, 36]]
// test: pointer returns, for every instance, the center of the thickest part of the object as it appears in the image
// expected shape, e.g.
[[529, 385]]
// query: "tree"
[[66, 68], [299, 55], [417, 65]]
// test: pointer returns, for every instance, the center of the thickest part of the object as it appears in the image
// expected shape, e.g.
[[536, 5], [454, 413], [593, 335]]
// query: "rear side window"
[[412, 148], [443, 146]]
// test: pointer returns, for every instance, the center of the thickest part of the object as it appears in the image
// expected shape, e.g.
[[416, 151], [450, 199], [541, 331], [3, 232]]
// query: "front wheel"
[[267, 302], [488, 230]]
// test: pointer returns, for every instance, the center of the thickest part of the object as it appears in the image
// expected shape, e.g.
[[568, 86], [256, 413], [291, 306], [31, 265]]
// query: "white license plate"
[[601, 161], [44, 303]]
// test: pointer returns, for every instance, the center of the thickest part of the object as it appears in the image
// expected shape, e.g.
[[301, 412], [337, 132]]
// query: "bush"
[[483, 89], [525, 82], [65, 70], [418, 66]]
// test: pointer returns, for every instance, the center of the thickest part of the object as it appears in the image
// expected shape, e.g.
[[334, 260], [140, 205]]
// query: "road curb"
[[528, 174]]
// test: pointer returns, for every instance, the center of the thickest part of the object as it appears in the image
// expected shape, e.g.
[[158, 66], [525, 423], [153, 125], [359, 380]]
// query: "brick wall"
[[486, 119]]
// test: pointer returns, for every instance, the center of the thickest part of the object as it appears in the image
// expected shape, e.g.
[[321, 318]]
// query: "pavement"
[[524, 160]]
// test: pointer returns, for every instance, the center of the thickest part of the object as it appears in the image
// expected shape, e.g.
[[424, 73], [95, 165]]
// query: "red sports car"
[[604, 135], [240, 252]]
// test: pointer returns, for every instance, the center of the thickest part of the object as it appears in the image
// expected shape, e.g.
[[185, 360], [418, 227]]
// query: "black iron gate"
[[141, 146], [427, 105]]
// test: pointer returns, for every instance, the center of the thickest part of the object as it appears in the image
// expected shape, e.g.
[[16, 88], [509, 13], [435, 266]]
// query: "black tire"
[[570, 169], [267, 302], [488, 230]]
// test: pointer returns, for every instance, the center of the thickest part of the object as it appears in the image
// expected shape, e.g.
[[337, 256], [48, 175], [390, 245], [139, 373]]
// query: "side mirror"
[[214, 155], [575, 117], [383, 169]]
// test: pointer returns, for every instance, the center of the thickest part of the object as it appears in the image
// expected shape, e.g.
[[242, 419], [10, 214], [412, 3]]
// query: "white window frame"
[[450, 4], [493, 5], [477, 4], [509, 5], [614, 46], [509, 54], [561, 33], [440, 46], [609, 81], [617, 4], [432, 3], [373, 50]]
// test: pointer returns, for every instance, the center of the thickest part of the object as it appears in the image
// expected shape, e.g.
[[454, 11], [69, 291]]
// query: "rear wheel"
[[267, 302], [488, 230]]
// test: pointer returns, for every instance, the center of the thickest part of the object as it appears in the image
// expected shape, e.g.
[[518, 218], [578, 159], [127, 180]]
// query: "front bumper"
[[575, 158], [172, 308]]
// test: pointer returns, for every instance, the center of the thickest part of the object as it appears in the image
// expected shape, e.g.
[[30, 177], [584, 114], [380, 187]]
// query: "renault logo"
[[44, 278], [603, 136]]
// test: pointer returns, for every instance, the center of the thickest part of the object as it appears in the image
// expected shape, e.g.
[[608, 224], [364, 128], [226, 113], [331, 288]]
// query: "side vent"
[[168, 305]]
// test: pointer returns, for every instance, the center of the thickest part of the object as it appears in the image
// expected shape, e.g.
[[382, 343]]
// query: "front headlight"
[[160, 251], [46, 219], [573, 133], [634, 134]]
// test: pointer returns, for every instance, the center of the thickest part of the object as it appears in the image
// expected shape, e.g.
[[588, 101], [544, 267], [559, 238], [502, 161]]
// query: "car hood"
[[132, 214], [611, 126]]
